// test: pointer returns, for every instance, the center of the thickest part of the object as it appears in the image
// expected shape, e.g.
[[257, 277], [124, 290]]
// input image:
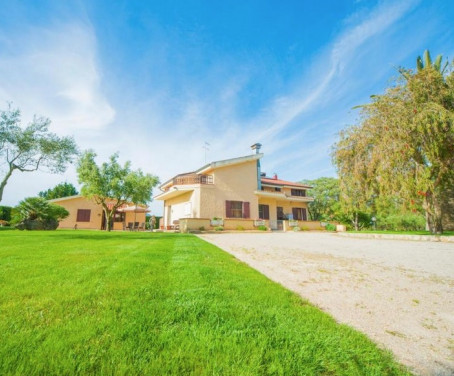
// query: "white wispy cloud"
[[54, 72]]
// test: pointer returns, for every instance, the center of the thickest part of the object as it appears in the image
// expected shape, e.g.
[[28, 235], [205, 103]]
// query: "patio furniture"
[[141, 226], [136, 226], [129, 226]]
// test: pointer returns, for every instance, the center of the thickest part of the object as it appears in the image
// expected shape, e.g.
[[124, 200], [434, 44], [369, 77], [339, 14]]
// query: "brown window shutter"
[[295, 213], [304, 214], [83, 215], [266, 212], [246, 210], [228, 209]]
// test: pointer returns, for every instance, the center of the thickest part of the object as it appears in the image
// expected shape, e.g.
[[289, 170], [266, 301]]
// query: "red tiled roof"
[[282, 182]]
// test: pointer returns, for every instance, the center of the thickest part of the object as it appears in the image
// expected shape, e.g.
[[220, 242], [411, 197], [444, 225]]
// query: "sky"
[[157, 80]]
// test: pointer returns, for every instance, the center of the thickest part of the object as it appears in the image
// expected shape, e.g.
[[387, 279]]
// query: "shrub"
[[401, 222], [201, 228], [239, 228], [296, 229], [3, 223], [35, 213], [262, 228], [219, 228], [5, 213], [330, 227]]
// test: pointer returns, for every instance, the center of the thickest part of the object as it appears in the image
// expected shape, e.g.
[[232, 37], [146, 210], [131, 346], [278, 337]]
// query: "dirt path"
[[400, 293]]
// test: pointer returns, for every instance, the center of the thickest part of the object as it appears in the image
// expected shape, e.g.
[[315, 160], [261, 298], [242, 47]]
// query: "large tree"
[[403, 144], [30, 148], [112, 185], [325, 192], [60, 190]]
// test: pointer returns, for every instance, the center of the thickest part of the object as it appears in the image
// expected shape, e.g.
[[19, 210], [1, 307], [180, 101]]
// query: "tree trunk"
[[5, 180], [108, 217], [432, 206], [355, 221]]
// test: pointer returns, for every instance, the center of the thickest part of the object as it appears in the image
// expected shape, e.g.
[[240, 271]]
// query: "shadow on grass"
[[119, 236]]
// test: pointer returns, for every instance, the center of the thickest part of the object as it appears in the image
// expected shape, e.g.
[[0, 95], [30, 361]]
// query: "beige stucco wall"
[[174, 208], [72, 205], [235, 183]]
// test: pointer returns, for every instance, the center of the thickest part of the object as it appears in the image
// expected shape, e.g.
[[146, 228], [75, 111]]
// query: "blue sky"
[[154, 80]]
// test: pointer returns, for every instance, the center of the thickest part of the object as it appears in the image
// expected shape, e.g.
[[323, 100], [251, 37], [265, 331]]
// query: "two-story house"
[[233, 189]]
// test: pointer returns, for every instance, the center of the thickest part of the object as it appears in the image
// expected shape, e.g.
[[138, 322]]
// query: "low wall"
[[303, 225], [190, 224]]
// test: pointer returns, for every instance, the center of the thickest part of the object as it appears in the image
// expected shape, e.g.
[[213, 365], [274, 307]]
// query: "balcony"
[[191, 179]]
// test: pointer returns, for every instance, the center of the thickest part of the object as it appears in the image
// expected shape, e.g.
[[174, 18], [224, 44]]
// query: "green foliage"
[[402, 146], [219, 228], [401, 222], [5, 213], [201, 228], [326, 193], [330, 227], [239, 228], [262, 228], [111, 181], [36, 213], [60, 190], [31, 148], [91, 302]]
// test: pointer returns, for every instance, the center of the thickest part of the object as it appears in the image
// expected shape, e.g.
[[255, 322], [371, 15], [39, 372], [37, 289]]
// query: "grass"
[[445, 233], [83, 302]]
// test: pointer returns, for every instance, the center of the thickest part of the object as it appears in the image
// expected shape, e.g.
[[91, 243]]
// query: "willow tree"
[[403, 145], [111, 185]]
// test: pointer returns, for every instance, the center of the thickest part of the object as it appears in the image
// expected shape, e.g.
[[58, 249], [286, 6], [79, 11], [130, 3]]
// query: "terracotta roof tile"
[[282, 182]]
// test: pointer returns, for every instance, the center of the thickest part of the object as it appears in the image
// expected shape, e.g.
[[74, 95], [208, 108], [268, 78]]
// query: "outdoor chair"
[[129, 226], [176, 224], [141, 226], [136, 226]]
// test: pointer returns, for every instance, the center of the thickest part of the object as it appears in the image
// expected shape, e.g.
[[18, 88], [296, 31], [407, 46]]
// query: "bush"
[[262, 228], [3, 223], [5, 213], [35, 213], [239, 228], [296, 229], [219, 228], [201, 228], [401, 222], [330, 227]]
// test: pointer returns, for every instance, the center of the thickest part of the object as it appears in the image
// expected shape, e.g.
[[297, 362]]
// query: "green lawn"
[[83, 302]]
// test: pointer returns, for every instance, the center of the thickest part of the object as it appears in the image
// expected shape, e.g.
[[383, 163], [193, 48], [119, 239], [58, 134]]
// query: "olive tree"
[[112, 185], [30, 148]]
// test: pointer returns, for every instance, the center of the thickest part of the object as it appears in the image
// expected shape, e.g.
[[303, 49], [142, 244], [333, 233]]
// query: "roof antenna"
[[206, 147]]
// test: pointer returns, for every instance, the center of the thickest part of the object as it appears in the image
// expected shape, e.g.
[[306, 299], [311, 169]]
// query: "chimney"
[[256, 147], [275, 176]]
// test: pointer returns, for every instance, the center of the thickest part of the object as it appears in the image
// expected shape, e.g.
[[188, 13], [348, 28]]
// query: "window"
[[83, 215], [277, 189], [119, 217], [237, 209], [298, 192], [280, 213], [264, 211], [299, 214]]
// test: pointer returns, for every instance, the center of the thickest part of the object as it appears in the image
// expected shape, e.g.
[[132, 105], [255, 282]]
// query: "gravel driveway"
[[400, 293]]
